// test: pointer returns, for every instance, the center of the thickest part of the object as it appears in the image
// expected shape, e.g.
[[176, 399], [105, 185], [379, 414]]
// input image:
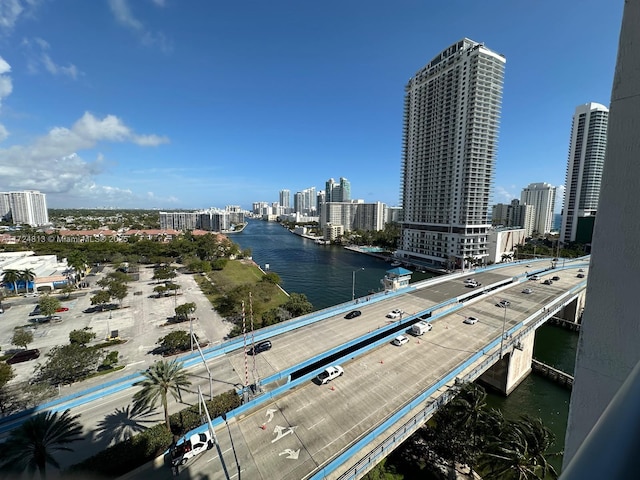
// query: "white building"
[[543, 197], [285, 200], [450, 141], [504, 241], [584, 171], [353, 215], [28, 207]]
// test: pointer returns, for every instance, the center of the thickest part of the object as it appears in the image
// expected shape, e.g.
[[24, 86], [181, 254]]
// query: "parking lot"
[[141, 321]]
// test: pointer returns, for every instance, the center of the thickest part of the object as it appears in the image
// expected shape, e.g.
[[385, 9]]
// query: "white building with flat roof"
[[28, 207], [543, 197]]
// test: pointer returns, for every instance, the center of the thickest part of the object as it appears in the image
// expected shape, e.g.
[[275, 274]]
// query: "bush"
[[125, 456], [189, 418]]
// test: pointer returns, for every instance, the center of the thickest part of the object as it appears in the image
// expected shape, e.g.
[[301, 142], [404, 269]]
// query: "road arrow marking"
[[281, 432], [270, 413], [291, 454]]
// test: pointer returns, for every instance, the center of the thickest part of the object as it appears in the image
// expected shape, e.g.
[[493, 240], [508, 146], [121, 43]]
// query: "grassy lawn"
[[236, 273]]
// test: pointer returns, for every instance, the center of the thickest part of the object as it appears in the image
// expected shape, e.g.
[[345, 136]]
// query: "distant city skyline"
[[206, 105]]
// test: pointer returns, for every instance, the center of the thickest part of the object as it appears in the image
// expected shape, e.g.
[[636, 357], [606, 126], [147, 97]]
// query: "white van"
[[420, 327]]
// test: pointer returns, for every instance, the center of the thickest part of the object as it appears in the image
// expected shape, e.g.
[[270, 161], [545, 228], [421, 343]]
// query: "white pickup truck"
[[192, 446]]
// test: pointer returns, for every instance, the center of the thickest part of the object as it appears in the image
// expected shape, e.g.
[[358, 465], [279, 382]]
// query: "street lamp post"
[[353, 283]]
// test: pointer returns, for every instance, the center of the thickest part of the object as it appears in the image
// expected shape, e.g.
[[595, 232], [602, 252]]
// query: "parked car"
[[194, 445], [62, 309], [471, 320], [329, 374], [353, 314], [548, 281], [394, 313], [472, 284], [556, 278], [400, 340], [580, 270], [527, 291], [24, 356], [503, 303], [260, 347]]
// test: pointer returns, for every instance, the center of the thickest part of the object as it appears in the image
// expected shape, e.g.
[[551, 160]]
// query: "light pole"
[[504, 323], [191, 326], [353, 283]]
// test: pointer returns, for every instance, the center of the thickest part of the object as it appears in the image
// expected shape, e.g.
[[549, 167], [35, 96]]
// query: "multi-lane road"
[[305, 428]]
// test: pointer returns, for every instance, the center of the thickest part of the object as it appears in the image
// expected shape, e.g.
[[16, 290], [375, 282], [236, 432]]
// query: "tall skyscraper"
[[285, 200], [28, 207], [584, 172], [543, 197], [338, 192], [450, 141]]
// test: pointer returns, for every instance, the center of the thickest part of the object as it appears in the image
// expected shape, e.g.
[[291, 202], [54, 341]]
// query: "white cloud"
[[52, 163], [38, 57], [6, 86], [502, 195], [159, 3], [124, 16], [12, 10], [3, 133]]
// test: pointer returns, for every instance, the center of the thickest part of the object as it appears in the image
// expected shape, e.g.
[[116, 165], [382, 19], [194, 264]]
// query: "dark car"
[[260, 347], [36, 311], [24, 356], [353, 314], [556, 278], [548, 282]]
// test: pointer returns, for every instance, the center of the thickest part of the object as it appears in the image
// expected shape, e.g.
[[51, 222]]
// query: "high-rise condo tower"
[[584, 172], [450, 141]]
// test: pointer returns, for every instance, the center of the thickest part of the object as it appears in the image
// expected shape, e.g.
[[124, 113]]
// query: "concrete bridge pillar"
[[572, 311], [513, 367]]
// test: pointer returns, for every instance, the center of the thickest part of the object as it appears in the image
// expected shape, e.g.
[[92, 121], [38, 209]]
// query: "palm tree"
[[29, 447], [11, 276], [77, 262], [28, 275], [520, 453], [161, 378]]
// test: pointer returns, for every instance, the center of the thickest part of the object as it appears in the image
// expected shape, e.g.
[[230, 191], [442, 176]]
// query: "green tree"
[[298, 305], [520, 452], [175, 342], [160, 290], [164, 272], [6, 374], [67, 290], [31, 445], [81, 337], [183, 311], [101, 298], [22, 338], [28, 276], [48, 305], [160, 379], [11, 277], [271, 277], [77, 261], [70, 363], [118, 291]]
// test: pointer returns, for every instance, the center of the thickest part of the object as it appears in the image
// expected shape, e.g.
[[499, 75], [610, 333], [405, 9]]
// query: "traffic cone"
[[332, 388], [381, 361], [263, 426]]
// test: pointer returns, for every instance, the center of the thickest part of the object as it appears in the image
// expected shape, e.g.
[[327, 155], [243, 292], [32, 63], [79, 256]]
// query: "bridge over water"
[[293, 428]]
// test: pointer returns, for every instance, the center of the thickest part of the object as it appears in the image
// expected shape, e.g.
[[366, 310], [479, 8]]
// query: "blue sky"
[[197, 103]]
